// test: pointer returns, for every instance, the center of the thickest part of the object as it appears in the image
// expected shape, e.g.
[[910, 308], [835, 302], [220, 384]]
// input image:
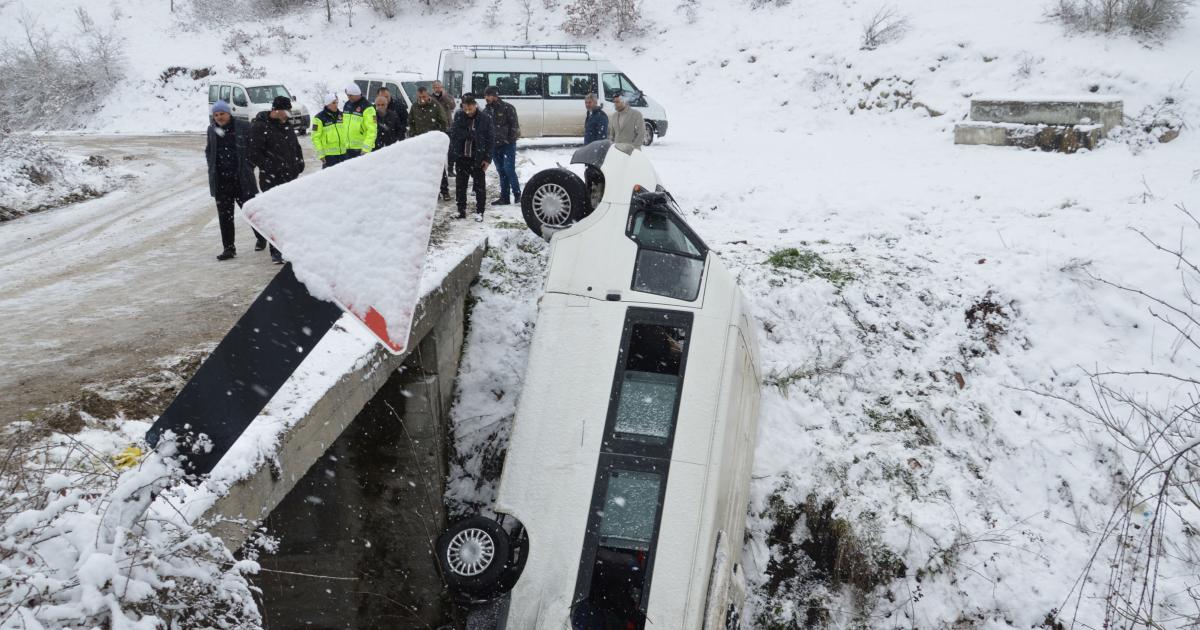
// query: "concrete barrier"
[[1107, 112], [238, 511], [1061, 138]]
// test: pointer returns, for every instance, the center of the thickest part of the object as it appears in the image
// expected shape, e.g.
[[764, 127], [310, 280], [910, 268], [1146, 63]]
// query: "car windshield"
[[267, 93]]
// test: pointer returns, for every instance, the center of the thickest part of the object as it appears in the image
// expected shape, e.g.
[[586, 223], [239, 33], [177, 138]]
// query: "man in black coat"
[[275, 150], [230, 174], [508, 129], [390, 127], [471, 140]]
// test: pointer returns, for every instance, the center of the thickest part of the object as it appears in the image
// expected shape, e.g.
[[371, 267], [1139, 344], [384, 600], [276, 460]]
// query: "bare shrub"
[[74, 72], [592, 17], [1026, 64], [1146, 545], [1147, 19], [386, 8], [690, 9], [887, 25], [491, 15]]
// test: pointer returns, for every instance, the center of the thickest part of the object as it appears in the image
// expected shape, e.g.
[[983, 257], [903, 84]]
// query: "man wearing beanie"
[[359, 116], [230, 174], [471, 140], [275, 150], [329, 135], [508, 129]]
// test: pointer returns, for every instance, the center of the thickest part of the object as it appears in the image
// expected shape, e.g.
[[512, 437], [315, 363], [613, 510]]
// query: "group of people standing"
[[478, 138]]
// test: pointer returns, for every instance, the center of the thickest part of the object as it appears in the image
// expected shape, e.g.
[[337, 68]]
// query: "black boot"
[[462, 213], [227, 254], [503, 201], [260, 245]]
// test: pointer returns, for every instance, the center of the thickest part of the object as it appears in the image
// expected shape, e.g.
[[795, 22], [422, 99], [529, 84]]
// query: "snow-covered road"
[[100, 289]]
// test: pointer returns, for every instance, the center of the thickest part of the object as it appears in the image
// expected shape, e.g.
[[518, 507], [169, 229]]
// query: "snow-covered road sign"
[[358, 233]]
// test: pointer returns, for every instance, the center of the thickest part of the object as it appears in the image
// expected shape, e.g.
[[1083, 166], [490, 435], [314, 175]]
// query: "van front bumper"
[[300, 123], [660, 127]]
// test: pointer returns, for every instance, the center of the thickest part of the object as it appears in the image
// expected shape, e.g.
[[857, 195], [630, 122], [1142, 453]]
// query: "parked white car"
[[402, 84], [546, 84], [249, 97], [624, 493]]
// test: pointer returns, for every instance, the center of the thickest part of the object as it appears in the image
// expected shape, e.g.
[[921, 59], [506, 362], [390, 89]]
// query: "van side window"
[[214, 92], [239, 97], [670, 258], [394, 90], [510, 84], [570, 85], [225, 93]]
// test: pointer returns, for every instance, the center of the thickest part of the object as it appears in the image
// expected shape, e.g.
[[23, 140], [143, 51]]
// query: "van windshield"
[[670, 260], [267, 93]]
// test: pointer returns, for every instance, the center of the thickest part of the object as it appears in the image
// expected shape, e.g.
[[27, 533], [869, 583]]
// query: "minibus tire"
[[556, 190], [466, 573], [649, 134]]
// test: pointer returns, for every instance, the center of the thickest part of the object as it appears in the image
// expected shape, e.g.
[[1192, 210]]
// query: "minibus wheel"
[[554, 198], [473, 554], [649, 134]]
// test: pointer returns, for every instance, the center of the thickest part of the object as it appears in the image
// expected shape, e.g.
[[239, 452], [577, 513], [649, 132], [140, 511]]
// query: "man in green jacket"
[[425, 116], [359, 117]]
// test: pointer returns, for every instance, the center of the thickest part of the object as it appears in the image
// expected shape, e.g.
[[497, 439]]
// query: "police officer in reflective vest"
[[358, 114], [330, 137]]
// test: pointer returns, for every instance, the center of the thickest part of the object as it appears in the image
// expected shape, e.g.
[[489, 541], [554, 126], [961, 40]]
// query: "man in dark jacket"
[[471, 141], [389, 128], [595, 123], [230, 174], [508, 129], [425, 116], [275, 150]]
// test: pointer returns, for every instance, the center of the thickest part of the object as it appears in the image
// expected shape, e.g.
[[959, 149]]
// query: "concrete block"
[[1060, 138], [1107, 112]]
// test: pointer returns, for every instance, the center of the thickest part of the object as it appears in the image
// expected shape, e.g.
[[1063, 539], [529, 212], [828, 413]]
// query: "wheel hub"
[[552, 205], [470, 552]]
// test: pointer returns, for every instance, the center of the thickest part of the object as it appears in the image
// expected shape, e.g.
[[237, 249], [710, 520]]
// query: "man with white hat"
[[359, 117], [330, 137]]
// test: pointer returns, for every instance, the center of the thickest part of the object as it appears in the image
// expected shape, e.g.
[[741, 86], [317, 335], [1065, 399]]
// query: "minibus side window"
[[650, 382], [670, 259], [514, 84], [570, 85]]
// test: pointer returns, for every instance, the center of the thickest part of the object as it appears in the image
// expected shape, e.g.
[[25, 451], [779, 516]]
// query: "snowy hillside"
[[930, 312]]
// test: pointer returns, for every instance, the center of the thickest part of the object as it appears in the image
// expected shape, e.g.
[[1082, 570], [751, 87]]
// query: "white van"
[[402, 84], [624, 493], [546, 83], [250, 96]]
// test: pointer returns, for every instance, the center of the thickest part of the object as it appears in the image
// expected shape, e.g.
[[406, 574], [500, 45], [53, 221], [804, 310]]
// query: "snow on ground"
[[914, 295], [35, 176]]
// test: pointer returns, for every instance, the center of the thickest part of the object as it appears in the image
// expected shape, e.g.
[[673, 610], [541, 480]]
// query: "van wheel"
[[553, 198], [594, 178], [649, 134], [473, 554]]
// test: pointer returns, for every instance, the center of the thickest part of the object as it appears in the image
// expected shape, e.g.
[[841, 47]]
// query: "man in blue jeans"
[[504, 153]]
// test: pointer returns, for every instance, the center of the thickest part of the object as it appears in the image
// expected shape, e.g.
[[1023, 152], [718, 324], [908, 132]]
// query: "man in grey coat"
[[626, 125]]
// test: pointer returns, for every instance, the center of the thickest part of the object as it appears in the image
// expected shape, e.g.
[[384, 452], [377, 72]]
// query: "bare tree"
[[527, 6], [887, 25], [386, 8], [590, 17], [348, 9], [491, 16]]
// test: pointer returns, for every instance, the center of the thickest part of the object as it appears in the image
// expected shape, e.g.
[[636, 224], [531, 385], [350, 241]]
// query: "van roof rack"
[[534, 48]]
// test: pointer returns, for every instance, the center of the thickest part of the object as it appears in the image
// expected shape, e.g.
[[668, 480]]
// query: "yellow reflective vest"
[[329, 134], [360, 123]]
